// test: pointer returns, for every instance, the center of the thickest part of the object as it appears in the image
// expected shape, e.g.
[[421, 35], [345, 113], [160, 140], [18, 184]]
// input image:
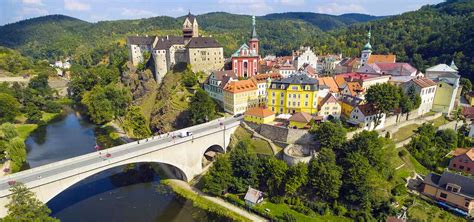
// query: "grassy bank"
[[204, 204], [25, 129]]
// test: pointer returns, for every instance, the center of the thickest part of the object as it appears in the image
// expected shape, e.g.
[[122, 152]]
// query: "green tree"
[[9, 108], [272, 173], [219, 178], [202, 107], [297, 176], [33, 114], [136, 123], [40, 84], [330, 135], [325, 175], [106, 103], [189, 78], [16, 151], [25, 207], [244, 166], [7, 133], [384, 98], [466, 85]]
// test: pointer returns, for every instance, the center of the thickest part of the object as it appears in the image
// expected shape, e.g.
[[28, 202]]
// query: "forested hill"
[[57, 35], [433, 34]]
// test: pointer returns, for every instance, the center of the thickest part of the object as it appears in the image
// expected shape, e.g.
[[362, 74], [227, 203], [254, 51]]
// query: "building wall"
[[427, 98], [366, 84], [453, 199], [237, 103], [206, 59], [346, 110], [292, 100], [160, 60], [462, 163], [259, 120], [307, 57], [470, 100], [330, 109], [442, 99], [298, 125], [366, 122], [238, 65]]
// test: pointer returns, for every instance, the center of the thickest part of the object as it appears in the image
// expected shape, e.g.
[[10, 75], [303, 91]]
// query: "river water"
[[127, 193]]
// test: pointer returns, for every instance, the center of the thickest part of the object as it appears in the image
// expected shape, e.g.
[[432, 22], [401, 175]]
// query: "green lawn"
[[49, 116], [404, 132], [423, 211], [261, 146], [24, 130], [439, 121], [279, 209]]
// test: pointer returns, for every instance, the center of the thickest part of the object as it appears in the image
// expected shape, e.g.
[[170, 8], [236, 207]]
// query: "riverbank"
[[210, 204]]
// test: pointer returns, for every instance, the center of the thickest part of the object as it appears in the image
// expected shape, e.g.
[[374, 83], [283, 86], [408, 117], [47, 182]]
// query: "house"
[[240, 95], [364, 80], [364, 115], [329, 106], [297, 93], [470, 98], [366, 56], [300, 120], [263, 81], [348, 103], [202, 53], [393, 69], [453, 189], [330, 82], [253, 197], [259, 115], [216, 82], [353, 89], [426, 89], [468, 112], [462, 160], [305, 56], [447, 79], [347, 65], [329, 63], [245, 59], [381, 59], [286, 69]]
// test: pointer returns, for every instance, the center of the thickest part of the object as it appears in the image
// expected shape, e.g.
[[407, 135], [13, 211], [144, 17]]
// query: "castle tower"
[[190, 27], [254, 42], [367, 51]]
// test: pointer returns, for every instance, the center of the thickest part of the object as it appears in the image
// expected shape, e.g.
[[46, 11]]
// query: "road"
[[117, 154]]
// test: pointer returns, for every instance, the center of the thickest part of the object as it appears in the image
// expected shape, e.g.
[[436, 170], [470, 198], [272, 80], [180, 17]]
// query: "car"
[[183, 134], [238, 115]]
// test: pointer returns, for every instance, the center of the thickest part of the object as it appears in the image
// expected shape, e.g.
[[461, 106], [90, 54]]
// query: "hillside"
[[12, 63]]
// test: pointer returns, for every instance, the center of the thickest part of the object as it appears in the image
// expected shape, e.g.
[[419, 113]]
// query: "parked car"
[[183, 134]]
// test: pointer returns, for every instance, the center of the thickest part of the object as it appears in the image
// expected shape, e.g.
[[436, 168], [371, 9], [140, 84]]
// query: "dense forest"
[[433, 34]]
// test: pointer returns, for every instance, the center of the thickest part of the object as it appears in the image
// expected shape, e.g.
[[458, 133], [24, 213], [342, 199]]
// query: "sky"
[[99, 10]]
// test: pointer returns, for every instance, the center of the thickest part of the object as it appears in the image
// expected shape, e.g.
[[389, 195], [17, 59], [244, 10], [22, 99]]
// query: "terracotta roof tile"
[[424, 82], [301, 117], [381, 58], [468, 111], [240, 86], [367, 109], [259, 112], [330, 82], [328, 99], [355, 88]]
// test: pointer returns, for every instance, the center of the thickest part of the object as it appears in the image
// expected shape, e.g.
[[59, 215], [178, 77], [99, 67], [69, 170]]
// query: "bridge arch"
[[209, 154], [46, 193]]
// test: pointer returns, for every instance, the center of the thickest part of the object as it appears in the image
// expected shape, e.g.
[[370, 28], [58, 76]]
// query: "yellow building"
[[300, 120], [259, 115], [240, 95], [297, 93], [470, 98], [348, 103]]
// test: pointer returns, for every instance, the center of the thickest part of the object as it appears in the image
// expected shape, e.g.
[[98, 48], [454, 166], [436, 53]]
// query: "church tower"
[[253, 42], [190, 27], [367, 51]]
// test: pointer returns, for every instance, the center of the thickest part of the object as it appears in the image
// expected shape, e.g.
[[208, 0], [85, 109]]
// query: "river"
[[127, 193]]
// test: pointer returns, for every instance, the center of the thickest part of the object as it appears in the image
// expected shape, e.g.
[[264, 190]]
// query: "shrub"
[[402, 153], [277, 199], [398, 190]]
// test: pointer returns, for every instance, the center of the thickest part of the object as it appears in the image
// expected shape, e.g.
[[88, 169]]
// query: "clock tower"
[[366, 52]]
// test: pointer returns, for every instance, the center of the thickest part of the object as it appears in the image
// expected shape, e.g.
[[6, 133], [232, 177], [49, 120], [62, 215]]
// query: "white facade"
[[286, 72], [306, 56], [366, 122]]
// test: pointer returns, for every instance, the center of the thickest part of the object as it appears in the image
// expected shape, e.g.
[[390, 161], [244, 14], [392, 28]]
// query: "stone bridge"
[[185, 154]]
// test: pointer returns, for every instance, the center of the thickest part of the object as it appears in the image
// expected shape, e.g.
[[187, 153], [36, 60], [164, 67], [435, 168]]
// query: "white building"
[[305, 56], [426, 89], [447, 79], [365, 116], [216, 82]]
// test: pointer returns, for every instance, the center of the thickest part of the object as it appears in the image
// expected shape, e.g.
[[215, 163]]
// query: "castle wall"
[[206, 59]]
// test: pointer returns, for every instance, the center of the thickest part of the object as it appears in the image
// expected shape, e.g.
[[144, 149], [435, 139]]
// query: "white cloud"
[[336, 9], [256, 7], [32, 2], [75, 5], [136, 13]]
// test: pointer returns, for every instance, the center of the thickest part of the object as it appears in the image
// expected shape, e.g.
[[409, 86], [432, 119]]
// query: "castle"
[[202, 53]]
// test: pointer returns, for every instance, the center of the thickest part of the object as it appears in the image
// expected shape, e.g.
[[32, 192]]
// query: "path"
[[219, 201]]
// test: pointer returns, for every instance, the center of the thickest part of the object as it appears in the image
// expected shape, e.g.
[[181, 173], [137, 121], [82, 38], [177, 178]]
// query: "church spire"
[[368, 46], [254, 32]]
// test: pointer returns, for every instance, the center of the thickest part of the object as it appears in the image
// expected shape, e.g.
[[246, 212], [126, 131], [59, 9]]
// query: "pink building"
[[463, 160]]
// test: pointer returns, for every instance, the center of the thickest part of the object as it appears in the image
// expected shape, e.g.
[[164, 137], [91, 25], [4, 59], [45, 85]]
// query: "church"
[[245, 59], [202, 53]]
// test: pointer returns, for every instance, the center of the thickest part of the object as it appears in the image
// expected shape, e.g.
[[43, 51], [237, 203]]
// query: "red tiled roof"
[[259, 112], [424, 82], [367, 109], [468, 112], [240, 86], [354, 76], [328, 99], [263, 77], [381, 58], [355, 88], [461, 151], [301, 117], [329, 82]]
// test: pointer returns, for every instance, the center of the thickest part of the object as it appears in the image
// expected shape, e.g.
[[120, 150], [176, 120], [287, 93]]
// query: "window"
[[461, 167], [443, 195], [307, 96], [454, 165], [273, 94], [467, 204], [455, 190]]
